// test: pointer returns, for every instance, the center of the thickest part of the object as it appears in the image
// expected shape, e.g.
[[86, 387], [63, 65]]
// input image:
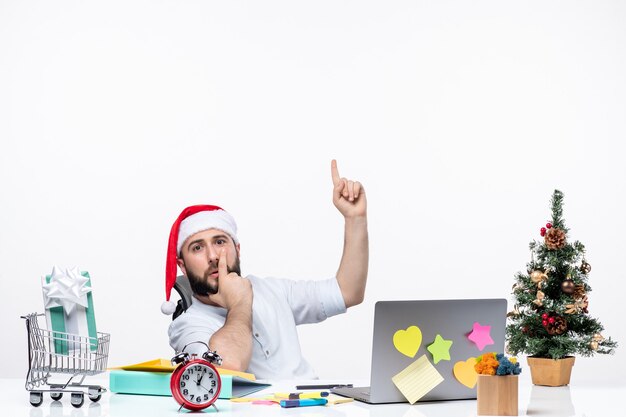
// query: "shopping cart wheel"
[[56, 396], [95, 393], [36, 398], [78, 398]]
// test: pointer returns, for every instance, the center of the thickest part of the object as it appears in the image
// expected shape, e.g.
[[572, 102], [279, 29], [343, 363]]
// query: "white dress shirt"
[[278, 306]]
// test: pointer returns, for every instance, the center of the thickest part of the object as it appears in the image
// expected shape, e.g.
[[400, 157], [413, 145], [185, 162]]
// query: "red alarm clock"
[[195, 383]]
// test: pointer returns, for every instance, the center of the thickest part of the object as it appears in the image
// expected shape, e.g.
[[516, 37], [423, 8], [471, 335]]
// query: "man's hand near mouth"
[[235, 337]]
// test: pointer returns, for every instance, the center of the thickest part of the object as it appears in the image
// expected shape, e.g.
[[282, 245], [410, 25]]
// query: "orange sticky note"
[[465, 373]]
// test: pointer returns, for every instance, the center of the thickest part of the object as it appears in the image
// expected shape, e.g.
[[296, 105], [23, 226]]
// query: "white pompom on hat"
[[192, 220]]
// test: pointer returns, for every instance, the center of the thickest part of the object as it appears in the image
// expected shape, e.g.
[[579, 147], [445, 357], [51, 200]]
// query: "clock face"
[[199, 384]]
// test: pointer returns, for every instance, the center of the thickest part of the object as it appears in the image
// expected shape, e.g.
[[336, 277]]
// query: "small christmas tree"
[[551, 315]]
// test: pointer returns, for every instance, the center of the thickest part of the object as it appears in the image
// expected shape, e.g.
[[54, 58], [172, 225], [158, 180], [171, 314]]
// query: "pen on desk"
[[299, 395], [327, 386], [303, 403]]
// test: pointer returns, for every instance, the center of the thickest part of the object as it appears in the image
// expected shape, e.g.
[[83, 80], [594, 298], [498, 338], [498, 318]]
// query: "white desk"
[[578, 400]]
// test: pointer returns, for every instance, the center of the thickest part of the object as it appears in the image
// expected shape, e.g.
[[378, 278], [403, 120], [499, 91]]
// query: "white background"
[[460, 118]]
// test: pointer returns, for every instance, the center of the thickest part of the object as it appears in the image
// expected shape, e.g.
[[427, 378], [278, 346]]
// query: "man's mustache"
[[210, 271]]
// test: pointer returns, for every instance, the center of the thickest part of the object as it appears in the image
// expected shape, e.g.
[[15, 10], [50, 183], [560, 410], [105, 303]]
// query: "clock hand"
[[205, 388]]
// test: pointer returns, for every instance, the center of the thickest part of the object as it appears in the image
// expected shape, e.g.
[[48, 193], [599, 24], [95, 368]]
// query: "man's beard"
[[200, 285]]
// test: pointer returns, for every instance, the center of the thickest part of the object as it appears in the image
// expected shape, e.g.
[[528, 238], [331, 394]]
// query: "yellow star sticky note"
[[440, 349], [417, 379]]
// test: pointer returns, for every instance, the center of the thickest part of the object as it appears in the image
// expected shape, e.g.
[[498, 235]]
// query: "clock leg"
[[214, 406]]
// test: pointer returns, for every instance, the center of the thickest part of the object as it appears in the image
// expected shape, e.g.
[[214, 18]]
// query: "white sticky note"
[[417, 379]]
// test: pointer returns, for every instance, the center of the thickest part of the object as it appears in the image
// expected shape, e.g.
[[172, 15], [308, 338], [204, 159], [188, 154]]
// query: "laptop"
[[453, 320]]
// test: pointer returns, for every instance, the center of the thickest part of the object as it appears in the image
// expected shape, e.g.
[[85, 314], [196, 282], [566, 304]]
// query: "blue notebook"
[[158, 383]]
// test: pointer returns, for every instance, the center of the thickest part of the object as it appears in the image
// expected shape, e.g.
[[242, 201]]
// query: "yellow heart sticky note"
[[465, 373], [408, 341]]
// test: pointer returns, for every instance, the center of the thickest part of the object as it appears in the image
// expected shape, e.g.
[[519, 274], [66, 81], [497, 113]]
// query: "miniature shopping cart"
[[52, 352]]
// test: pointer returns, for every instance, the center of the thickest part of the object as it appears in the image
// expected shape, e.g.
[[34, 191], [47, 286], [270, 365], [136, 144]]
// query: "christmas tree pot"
[[551, 372], [497, 395]]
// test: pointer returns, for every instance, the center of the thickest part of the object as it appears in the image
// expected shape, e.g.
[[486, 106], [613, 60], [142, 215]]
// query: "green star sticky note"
[[440, 349]]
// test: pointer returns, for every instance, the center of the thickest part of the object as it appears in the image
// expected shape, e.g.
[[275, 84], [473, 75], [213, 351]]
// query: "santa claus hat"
[[192, 220]]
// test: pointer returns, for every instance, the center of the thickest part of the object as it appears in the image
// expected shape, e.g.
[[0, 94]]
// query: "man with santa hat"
[[251, 321]]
